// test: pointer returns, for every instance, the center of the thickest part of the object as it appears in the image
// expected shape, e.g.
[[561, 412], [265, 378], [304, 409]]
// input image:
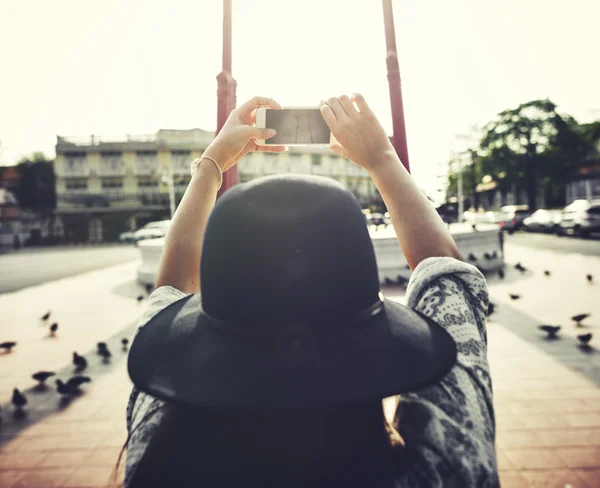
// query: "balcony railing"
[[181, 163], [145, 164], [73, 167], [112, 166]]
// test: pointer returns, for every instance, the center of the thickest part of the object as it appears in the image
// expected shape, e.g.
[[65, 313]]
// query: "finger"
[[257, 102], [256, 133], [361, 103], [337, 108], [329, 116], [277, 149], [338, 149], [349, 107]]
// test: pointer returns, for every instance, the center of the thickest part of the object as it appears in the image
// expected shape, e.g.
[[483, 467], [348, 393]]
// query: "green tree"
[[36, 190], [533, 143]]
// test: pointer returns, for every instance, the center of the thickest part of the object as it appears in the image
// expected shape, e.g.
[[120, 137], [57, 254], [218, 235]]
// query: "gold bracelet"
[[196, 162]]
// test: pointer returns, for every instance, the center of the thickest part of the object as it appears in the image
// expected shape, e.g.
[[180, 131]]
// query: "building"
[[584, 183], [106, 186]]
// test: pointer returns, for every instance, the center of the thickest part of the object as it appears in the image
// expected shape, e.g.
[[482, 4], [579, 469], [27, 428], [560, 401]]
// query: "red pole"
[[226, 86], [399, 127]]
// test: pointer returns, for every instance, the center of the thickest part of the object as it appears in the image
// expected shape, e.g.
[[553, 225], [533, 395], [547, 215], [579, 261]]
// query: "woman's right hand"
[[360, 135]]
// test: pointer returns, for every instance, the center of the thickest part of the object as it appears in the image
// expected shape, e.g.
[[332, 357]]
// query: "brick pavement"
[[546, 392]]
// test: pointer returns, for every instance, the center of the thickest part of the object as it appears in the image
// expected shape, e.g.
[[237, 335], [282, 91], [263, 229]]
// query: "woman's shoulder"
[[452, 293]]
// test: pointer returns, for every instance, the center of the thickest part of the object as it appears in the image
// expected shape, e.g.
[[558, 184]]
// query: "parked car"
[[476, 217], [543, 220], [516, 214], [581, 218], [497, 216], [128, 236], [152, 230]]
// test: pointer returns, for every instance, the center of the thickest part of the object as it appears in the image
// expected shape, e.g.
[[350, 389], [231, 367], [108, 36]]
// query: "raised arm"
[[182, 251], [420, 231]]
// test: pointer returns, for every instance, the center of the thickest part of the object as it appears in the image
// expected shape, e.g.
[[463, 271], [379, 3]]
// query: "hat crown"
[[287, 248]]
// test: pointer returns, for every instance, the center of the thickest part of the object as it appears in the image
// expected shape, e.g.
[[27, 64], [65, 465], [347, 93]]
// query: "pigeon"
[[472, 257], [105, 353], [474, 227], [388, 281], [53, 329], [491, 308], [125, 343], [546, 272], [487, 256], [401, 280], [7, 346], [75, 382], [580, 318], [551, 330], [62, 388], [18, 399], [501, 274], [149, 289], [590, 278], [79, 361], [513, 296], [584, 339], [494, 255], [46, 316], [140, 298], [520, 267], [42, 376]]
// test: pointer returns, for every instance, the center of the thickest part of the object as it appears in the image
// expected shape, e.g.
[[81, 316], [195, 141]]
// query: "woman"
[[276, 375]]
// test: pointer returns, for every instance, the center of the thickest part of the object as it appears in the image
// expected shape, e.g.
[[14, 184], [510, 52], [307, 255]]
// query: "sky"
[[117, 67]]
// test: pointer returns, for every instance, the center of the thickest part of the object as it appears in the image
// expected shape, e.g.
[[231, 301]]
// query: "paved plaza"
[[546, 392]]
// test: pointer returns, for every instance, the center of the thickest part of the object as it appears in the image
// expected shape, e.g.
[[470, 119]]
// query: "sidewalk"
[[546, 393], [74, 445]]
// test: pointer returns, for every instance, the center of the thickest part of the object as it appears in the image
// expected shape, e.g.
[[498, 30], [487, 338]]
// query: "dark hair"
[[353, 446]]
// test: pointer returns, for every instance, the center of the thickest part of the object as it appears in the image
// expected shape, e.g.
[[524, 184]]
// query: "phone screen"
[[297, 126]]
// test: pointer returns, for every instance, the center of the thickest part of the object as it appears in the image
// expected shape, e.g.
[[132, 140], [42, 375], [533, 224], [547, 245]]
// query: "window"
[[113, 188], [75, 164], [147, 183], [111, 163], [181, 161], [315, 159], [147, 186], [146, 162], [182, 180], [179, 157], [76, 186]]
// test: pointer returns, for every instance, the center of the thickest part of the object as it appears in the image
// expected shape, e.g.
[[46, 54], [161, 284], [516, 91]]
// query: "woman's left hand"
[[238, 136]]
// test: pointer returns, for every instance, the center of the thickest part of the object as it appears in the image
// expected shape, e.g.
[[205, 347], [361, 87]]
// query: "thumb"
[[256, 133], [338, 149]]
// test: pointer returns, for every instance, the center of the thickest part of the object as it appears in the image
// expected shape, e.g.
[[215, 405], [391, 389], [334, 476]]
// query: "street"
[[29, 267], [546, 395], [551, 242]]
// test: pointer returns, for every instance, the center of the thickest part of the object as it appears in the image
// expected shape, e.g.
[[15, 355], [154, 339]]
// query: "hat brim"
[[182, 355]]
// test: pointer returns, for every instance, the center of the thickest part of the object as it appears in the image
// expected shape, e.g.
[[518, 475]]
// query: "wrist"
[[382, 162], [216, 152], [208, 172]]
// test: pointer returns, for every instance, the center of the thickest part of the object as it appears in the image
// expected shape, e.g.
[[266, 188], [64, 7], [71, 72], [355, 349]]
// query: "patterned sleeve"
[[144, 411], [449, 428]]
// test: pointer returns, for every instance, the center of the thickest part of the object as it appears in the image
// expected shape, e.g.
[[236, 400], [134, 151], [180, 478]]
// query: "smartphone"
[[295, 126]]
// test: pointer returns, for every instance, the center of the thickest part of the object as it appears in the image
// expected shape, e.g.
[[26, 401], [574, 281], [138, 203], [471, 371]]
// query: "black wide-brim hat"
[[291, 314]]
